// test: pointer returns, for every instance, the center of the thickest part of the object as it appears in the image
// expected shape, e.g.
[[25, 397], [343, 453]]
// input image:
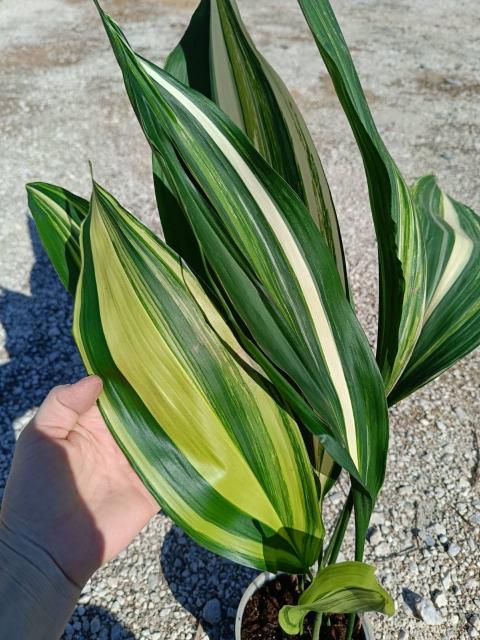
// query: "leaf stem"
[[336, 540], [317, 626]]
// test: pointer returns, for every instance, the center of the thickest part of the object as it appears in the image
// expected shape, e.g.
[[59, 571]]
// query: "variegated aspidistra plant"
[[237, 378]]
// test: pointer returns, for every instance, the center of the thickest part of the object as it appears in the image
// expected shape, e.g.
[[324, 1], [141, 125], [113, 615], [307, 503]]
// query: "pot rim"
[[256, 584]]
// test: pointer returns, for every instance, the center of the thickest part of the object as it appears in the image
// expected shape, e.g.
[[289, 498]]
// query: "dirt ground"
[[62, 102]]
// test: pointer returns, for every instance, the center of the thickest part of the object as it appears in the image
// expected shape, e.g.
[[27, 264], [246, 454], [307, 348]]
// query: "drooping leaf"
[[400, 244], [275, 269], [185, 403], [58, 215], [451, 323], [346, 587], [217, 57]]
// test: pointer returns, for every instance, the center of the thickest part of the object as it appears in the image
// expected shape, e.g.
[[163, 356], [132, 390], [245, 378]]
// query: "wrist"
[[36, 597]]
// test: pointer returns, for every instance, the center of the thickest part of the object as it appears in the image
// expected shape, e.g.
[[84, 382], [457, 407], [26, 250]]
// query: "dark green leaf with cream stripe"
[[277, 273], [400, 243], [185, 402], [218, 58], [58, 215], [451, 323]]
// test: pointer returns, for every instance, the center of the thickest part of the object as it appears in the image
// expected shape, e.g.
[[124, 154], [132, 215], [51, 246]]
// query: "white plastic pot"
[[256, 584]]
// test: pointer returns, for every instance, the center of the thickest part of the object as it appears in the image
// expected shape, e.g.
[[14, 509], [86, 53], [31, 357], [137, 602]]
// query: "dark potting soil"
[[260, 618]]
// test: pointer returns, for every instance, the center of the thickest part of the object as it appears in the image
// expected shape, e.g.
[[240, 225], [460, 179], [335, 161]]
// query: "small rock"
[[153, 580], [377, 519], [475, 519], [422, 608], [428, 613], [116, 632], [438, 529], [212, 611], [382, 550], [453, 549], [95, 625], [474, 621], [440, 599], [471, 584], [374, 536]]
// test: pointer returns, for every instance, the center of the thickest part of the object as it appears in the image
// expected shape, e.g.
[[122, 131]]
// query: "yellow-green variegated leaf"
[[346, 587], [271, 266], [184, 402], [217, 57], [451, 323], [400, 242], [58, 215]]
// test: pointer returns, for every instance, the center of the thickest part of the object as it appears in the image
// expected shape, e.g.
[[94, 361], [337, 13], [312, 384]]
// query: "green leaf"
[[400, 244], [272, 266], [58, 215], [346, 587], [217, 57], [186, 404], [451, 323]]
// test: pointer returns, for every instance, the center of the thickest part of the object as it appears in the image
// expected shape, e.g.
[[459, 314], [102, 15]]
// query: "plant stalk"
[[336, 540], [317, 626]]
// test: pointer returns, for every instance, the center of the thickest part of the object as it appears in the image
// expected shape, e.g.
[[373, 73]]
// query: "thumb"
[[64, 404]]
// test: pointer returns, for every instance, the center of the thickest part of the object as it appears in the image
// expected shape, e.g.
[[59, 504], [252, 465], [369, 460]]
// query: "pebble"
[[382, 550], [422, 607], [212, 611], [453, 549], [440, 599], [116, 632]]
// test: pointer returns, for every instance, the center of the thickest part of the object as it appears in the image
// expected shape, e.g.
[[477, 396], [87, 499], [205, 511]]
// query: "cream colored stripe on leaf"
[[292, 251], [171, 395], [459, 257]]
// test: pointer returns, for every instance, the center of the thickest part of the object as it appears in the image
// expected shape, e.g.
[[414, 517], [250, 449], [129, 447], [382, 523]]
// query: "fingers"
[[64, 404]]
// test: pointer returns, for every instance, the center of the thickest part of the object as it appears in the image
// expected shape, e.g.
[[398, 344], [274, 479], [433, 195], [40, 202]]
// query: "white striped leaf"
[[222, 457], [400, 243], [217, 57], [271, 263], [58, 215], [451, 323]]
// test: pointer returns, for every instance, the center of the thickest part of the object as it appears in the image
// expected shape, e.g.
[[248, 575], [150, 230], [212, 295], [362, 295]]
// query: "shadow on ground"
[[203, 583], [42, 353], [94, 622], [39, 345]]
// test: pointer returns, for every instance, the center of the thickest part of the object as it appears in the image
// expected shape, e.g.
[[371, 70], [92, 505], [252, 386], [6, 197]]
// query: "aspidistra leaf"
[[277, 273], [222, 457], [451, 323], [346, 587], [400, 243], [58, 215], [217, 57]]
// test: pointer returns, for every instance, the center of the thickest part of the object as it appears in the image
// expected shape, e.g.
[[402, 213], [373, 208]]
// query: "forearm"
[[36, 598]]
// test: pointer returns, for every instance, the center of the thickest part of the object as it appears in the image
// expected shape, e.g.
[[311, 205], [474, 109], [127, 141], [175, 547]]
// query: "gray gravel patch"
[[62, 102]]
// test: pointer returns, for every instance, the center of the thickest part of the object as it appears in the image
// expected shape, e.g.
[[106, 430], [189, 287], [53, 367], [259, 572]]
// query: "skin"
[[71, 492]]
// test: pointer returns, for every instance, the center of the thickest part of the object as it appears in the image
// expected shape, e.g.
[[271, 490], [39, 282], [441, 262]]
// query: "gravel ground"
[[62, 102]]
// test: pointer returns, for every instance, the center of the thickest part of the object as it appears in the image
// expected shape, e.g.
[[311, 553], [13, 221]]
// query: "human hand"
[[71, 491]]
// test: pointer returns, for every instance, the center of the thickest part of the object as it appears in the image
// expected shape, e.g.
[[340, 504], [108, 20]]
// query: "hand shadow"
[[197, 577], [39, 344]]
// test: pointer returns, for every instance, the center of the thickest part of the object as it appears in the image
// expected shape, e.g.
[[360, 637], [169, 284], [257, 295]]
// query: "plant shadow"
[[39, 346], [203, 583]]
